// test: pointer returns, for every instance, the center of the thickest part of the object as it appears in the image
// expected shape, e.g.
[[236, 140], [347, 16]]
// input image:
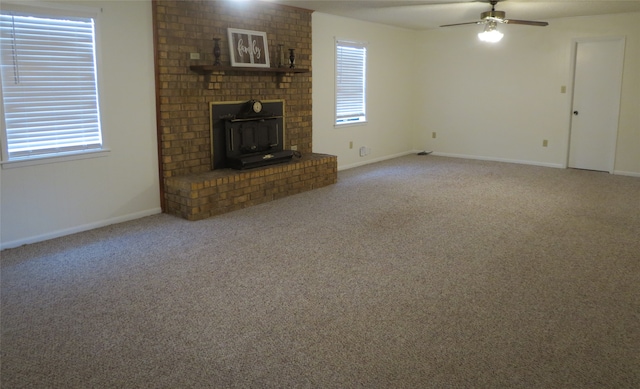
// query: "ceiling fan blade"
[[526, 22], [416, 3], [460, 24]]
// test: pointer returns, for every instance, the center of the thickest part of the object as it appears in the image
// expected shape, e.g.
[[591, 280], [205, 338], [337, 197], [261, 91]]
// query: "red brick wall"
[[184, 27]]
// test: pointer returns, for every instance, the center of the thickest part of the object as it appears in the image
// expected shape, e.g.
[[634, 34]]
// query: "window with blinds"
[[351, 70], [49, 85]]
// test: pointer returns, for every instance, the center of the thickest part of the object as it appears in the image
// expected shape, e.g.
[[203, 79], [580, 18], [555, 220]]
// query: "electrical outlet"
[[545, 143], [364, 151], [194, 55], [433, 135], [563, 89], [294, 148], [351, 144]]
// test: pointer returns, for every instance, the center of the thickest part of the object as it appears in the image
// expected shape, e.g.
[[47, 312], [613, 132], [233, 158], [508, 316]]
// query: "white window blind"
[[49, 84], [351, 59]]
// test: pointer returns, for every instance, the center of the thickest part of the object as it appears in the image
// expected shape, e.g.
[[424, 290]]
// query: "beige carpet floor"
[[417, 272]]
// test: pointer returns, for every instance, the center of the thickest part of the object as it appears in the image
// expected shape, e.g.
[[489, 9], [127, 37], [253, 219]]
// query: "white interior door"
[[596, 103]]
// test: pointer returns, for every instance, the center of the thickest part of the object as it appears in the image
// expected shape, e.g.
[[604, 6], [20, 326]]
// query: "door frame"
[[573, 63]]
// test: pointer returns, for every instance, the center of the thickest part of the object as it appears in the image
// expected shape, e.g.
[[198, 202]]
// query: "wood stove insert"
[[248, 134]]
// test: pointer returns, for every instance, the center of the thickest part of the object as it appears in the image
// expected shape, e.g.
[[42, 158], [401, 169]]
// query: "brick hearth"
[[201, 195]]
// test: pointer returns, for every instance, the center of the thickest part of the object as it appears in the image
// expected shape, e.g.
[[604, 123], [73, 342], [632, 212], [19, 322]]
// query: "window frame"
[[354, 119], [44, 10]]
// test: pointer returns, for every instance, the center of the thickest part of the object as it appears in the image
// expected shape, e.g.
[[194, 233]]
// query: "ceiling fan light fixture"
[[490, 33]]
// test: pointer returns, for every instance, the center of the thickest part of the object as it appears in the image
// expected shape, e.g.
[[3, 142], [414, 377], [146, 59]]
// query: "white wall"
[[496, 102], [501, 101], [390, 90], [49, 200]]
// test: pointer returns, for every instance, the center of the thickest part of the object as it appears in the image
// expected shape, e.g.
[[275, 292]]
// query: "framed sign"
[[248, 48]]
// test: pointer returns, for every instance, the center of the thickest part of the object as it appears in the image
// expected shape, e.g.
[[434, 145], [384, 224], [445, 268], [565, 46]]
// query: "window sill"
[[353, 124], [55, 159]]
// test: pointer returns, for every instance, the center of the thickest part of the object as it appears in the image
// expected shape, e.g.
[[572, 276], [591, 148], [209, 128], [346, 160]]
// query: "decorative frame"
[[248, 48]]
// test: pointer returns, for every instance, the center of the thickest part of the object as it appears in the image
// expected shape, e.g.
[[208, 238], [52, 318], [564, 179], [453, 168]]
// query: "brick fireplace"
[[183, 97]]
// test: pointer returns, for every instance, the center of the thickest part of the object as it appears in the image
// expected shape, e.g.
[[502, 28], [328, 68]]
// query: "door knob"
[[575, 113]]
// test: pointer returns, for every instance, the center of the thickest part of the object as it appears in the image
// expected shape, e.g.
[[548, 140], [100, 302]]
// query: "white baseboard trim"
[[518, 161], [463, 156], [624, 173], [477, 157], [370, 161], [84, 227]]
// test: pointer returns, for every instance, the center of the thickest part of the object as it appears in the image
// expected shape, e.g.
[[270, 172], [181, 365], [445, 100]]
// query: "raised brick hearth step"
[[202, 195]]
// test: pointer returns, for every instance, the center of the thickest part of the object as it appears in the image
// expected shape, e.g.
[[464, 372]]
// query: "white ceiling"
[[428, 14]]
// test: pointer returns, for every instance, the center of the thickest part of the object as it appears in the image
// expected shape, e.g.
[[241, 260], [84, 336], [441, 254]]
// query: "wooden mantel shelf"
[[208, 69]]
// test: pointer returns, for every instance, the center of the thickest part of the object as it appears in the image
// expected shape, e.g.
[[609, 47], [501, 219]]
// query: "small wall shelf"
[[208, 69]]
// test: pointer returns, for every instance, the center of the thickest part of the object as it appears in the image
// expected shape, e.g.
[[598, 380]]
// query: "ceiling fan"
[[491, 19], [494, 17]]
